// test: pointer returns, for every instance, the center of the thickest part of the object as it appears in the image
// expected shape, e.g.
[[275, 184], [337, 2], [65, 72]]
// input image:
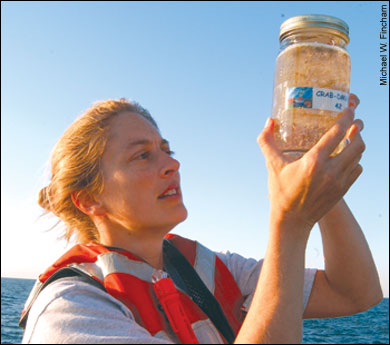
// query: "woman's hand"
[[304, 190]]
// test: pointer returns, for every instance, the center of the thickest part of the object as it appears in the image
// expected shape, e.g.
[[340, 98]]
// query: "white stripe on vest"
[[113, 262], [205, 265]]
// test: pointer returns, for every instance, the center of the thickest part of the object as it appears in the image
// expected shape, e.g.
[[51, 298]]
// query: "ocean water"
[[370, 327], [14, 293]]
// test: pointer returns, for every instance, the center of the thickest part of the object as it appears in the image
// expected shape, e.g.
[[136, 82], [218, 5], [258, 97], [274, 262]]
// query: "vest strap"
[[200, 294], [169, 299]]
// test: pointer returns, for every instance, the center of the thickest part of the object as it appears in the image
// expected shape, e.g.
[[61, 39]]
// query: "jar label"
[[316, 98]]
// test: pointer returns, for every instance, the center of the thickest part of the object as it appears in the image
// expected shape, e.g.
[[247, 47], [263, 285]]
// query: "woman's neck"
[[149, 248]]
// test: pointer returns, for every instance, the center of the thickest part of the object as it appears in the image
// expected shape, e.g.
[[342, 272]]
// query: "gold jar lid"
[[306, 22]]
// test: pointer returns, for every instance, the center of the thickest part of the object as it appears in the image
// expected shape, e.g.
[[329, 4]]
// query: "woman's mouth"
[[172, 191]]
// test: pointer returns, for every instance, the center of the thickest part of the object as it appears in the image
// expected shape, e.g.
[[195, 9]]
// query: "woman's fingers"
[[353, 176], [266, 141], [328, 143], [349, 158], [357, 126], [353, 101], [331, 139]]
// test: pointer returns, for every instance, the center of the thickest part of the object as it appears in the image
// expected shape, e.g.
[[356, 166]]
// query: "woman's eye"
[[144, 155]]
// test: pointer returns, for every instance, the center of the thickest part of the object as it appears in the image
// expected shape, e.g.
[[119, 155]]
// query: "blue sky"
[[205, 72]]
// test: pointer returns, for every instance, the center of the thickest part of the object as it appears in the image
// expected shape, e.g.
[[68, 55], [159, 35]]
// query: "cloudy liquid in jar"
[[311, 81]]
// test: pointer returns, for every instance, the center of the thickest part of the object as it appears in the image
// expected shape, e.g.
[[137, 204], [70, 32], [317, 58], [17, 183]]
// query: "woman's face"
[[138, 170]]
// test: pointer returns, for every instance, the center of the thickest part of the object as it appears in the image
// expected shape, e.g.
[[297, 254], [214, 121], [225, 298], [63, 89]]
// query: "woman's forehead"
[[128, 127], [131, 124]]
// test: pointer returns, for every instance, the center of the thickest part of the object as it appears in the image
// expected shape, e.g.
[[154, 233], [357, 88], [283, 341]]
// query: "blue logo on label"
[[300, 97]]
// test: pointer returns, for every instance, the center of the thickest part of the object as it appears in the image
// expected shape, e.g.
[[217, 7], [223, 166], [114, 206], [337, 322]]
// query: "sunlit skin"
[[138, 167]]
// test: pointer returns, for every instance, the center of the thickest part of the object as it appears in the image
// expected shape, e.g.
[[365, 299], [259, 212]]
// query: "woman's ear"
[[87, 204]]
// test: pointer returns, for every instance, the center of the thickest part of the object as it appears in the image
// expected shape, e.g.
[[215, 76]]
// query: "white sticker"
[[316, 98], [329, 99]]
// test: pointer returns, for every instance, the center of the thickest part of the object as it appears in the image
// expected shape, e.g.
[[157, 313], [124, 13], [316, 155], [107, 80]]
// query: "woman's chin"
[[180, 216]]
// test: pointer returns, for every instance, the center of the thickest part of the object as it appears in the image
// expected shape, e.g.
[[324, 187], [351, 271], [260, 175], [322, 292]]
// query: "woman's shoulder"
[[76, 312], [59, 308], [71, 291], [245, 271]]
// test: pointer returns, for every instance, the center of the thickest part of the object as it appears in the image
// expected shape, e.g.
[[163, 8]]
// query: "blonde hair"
[[75, 165]]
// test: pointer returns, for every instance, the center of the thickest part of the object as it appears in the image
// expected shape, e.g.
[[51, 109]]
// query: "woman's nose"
[[171, 166]]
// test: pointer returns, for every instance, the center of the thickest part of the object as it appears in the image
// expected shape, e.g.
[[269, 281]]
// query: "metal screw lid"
[[310, 21]]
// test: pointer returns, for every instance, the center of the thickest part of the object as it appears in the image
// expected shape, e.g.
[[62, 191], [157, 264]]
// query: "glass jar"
[[311, 82]]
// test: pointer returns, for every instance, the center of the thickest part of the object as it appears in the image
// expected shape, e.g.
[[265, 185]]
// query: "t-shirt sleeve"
[[79, 313], [246, 272]]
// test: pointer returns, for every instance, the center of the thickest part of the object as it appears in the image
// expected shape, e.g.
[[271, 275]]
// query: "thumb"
[[267, 143]]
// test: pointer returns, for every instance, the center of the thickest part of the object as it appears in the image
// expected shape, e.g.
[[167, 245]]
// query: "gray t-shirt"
[[73, 312]]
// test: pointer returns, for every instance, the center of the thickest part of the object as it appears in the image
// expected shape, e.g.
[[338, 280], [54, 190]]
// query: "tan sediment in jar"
[[307, 65]]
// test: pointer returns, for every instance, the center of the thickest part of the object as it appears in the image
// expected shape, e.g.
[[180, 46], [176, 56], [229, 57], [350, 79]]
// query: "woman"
[[117, 188]]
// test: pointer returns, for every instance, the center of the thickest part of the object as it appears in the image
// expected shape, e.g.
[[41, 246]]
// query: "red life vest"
[[155, 302]]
